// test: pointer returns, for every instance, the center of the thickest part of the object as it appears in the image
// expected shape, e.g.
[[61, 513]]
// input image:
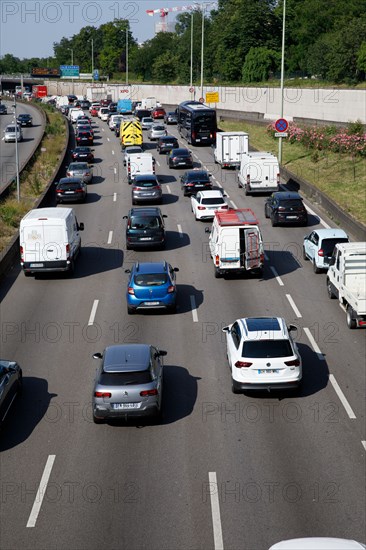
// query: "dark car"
[[128, 383], [85, 104], [84, 137], [142, 113], [145, 228], [112, 107], [158, 112], [3, 109], [83, 154], [285, 207], [146, 188], [195, 180], [65, 109], [10, 385], [180, 158], [71, 190], [24, 119], [117, 128], [72, 98], [166, 144], [170, 117]]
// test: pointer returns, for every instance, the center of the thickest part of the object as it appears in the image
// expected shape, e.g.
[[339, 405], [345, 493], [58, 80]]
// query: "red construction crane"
[[163, 12]]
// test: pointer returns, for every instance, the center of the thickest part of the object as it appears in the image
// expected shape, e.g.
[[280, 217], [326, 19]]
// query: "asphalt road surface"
[[221, 470]]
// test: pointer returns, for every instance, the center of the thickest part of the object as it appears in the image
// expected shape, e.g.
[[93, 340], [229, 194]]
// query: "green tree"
[[259, 63], [165, 67], [361, 60]]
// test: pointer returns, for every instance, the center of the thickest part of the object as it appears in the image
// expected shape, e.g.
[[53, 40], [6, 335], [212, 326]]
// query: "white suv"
[[262, 354]]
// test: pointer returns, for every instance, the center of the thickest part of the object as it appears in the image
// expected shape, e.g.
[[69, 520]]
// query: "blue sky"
[[28, 29]]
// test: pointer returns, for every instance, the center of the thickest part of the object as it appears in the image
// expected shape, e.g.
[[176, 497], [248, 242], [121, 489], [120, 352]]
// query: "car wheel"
[[130, 310], [129, 247], [273, 222], [331, 294], [217, 273], [246, 191], [20, 385], [71, 268], [266, 215], [351, 319], [27, 273], [173, 309], [315, 268], [97, 420], [234, 387], [133, 202], [304, 255]]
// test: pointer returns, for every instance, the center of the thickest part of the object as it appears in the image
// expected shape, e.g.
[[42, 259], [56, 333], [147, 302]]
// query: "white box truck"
[[49, 240], [259, 172], [229, 148], [139, 163], [346, 280], [148, 103], [235, 242]]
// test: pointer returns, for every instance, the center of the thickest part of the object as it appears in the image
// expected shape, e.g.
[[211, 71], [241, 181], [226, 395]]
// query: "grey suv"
[[128, 383], [145, 228], [146, 188]]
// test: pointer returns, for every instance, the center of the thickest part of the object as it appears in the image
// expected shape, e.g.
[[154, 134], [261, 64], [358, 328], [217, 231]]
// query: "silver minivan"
[[13, 133]]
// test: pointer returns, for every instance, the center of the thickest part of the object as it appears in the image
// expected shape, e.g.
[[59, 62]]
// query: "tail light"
[[248, 179], [201, 207], [58, 190], [217, 260], [261, 258], [278, 179], [240, 364], [80, 190], [131, 291], [21, 253], [189, 184], [293, 363], [281, 208], [147, 393], [68, 174], [171, 289], [321, 252], [225, 207], [194, 135], [67, 249], [102, 394]]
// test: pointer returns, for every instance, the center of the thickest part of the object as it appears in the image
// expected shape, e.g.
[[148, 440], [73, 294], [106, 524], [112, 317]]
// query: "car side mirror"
[[207, 230], [125, 217], [225, 329], [176, 269], [81, 226], [292, 328], [164, 216], [97, 355], [162, 353], [127, 270]]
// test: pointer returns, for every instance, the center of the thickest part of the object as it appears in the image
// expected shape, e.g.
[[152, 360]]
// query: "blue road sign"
[[69, 70], [96, 74]]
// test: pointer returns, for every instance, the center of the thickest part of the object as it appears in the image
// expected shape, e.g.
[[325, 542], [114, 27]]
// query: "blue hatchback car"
[[151, 285]]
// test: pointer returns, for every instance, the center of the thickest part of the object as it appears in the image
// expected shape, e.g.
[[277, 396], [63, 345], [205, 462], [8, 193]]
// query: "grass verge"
[[340, 176]]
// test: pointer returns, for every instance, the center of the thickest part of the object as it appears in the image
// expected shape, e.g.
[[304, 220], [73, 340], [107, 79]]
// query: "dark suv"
[[166, 144], [145, 228], [285, 207], [195, 180]]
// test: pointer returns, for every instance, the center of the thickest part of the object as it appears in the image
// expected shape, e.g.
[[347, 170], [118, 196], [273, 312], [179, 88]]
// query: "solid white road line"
[[215, 511], [364, 444], [234, 205], [323, 223], [93, 312], [110, 236], [114, 197], [180, 230], [279, 280], [342, 397], [315, 346], [193, 308], [41, 491], [168, 189], [293, 305]]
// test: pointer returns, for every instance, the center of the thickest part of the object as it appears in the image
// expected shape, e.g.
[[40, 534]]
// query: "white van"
[[235, 242], [49, 240], [259, 172], [75, 113], [139, 163], [230, 147]]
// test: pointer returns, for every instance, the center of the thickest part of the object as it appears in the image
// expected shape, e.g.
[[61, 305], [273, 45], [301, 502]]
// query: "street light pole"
[[191, 75], [202, 43], [282, 76], [92, 58], [16, 149], [127, 55]]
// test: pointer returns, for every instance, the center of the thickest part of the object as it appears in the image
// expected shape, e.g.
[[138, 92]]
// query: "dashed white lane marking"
[[93, 312], [293, 305], [195, 156], [364, 444], [102, 129], [315, 346], [115, 170], [323, 223], [41, 491], [342, 397], [110, 237], [278, 278], [114, 197], [180, 230], [234, 205], [168, 189], [157, 162], [108, 139], [194, 309], [215, 511], [112, 152]]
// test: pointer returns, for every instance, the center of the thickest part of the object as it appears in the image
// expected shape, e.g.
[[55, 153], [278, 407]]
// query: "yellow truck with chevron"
[[130, 133]]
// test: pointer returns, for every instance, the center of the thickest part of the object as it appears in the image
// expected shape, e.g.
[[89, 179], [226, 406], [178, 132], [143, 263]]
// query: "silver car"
[[80, 170], [131, 150], [128, 382], [147, 122], [12, 133], [156, 132], [146, 188]]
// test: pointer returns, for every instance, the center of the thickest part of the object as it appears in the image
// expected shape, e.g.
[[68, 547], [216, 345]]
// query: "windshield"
[[146, 222], [263, 349]]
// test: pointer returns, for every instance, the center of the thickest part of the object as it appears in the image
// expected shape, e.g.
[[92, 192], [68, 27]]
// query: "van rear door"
[[249, 248]]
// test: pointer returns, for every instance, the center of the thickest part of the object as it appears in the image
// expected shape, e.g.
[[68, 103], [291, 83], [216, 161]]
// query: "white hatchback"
[[319, 245], [318, 543], [262, 354], [205, 203]]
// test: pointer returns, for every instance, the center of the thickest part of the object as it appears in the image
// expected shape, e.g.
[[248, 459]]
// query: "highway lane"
[[159, 474], [25, 147]]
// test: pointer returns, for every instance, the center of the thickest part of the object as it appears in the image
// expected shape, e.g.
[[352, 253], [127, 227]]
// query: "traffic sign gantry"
[[281, 125]]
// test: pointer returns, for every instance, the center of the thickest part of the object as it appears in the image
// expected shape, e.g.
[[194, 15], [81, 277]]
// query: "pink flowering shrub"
[[326, 138]]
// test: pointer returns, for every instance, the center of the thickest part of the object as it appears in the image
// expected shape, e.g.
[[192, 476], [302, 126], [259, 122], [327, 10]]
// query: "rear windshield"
[[145, 222], [213, 201], [125, 378], [78, 166], [145, 184], [151, 279], [329, 244], [181, 153], [159, 128], [267, 348], [197, 176], [288, 203], [74, 185]]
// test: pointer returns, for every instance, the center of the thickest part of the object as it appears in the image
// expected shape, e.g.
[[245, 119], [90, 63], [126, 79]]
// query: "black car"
[[71, 190], [171, 117], [71, 98], [84, 137], [145, 228], [3, 109], [65, 109], [117, 128], [112, 107], [10, 385], [24, 119], [142, 113], [285, 207], [83, 154], [195, 180], [166, 144], [180, 158], [85, 104]]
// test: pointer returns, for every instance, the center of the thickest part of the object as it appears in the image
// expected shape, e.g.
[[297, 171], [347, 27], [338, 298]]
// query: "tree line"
[[325, 39]]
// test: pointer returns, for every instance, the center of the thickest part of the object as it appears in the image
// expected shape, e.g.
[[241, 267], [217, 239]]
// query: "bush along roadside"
[[35, 177]]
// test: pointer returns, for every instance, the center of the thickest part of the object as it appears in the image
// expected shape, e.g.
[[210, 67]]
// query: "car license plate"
[[181, 162], [291, 217], [147, 194], [168, 145], [145, 238], [268, 371], [69, 192], [36, 265], [152, 303], [122, 406]]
